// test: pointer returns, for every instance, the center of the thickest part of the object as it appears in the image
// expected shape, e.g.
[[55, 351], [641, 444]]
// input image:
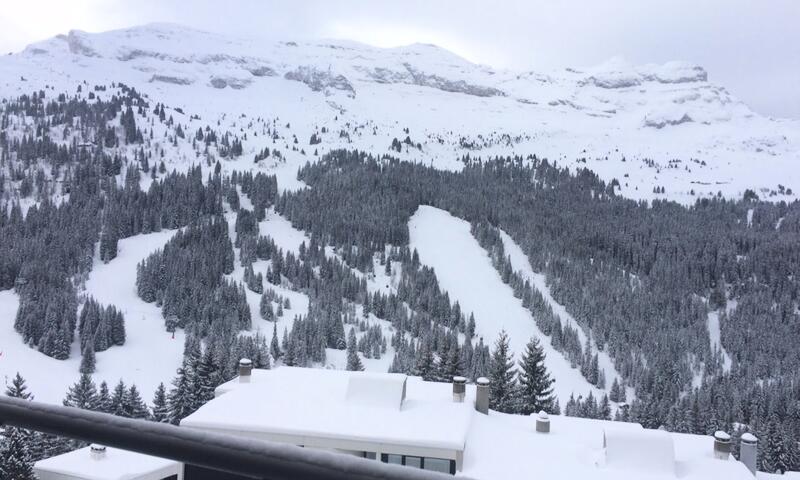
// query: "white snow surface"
[[285, 236], [465, 271], [116, 464], [150, 354], [653, 450], [521, 264], [501, 446], [495, 446], [714, 337], [328, 410], [376, 390], [648, 125]]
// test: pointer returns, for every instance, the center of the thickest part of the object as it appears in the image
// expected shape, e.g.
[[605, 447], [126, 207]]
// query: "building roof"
[[114, 465], [639, 449], [377, 390], [336, 404], [330, 404], [507, 446]]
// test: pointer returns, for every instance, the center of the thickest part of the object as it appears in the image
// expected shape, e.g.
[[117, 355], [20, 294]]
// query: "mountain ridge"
[[651, 127]]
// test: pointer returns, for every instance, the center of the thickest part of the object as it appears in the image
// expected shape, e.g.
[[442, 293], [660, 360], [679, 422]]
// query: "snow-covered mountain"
[[647, 126]]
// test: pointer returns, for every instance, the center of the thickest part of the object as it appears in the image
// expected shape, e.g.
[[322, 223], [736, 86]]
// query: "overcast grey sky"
[[750, 47]]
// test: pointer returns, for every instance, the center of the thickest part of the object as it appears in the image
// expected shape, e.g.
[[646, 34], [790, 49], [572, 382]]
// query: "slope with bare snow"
[[150, 354], [521, 264], [465, 271]]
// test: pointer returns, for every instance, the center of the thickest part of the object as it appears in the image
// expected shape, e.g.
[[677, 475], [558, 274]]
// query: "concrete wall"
[[350, 446]]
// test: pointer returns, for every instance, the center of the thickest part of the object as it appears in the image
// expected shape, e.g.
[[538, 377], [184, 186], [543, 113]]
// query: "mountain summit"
[[654, 128]]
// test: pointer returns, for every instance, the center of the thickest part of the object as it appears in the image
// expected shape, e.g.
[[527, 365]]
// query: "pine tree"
[[470, 330], [774, 458], [82, 394], [353, 361], [617, 393], [793, 453], [117, 406], [108, 241], [18, 388], [117, 323], [274, 346], [536, 386], [88, 361], [160, 409], [104, 399], [61, 346], [604, 409], [265, 309], [134, 405], [207, 377], [15, 459], [179, 401], [425, 366], [451, 365], [502, 389]]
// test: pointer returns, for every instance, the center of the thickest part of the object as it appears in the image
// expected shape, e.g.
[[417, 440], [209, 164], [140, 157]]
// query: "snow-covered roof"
[[319, 403], [377, 390], [115, 464], [632, 449], [507, 446], [336, 404]]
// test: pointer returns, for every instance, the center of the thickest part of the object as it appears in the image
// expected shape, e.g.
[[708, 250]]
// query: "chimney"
[[459, 389], [748, 451], [245, 369], [542, 422], [722, 445], [97, 452], [482, 395]]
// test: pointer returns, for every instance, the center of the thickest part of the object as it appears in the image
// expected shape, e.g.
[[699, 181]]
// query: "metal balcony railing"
[[242, 457]]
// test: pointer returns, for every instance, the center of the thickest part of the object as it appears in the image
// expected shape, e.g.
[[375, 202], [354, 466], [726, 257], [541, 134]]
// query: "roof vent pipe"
[[482, 395], [97, 452], [245, 370], [722, 445], [542, 422], [748, 451], [459, 389]]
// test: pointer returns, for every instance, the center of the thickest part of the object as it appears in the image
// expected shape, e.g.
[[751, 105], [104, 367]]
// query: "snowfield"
[[714, 337], [150, 354], [645, 125], [521, 264], [286, 237], [465, 271]]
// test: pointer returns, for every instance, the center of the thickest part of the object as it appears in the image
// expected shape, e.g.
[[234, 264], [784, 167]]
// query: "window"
[[442, 465], [370, 455], [390, 458]]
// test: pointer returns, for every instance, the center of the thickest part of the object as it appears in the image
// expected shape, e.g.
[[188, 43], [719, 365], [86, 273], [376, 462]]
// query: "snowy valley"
[[173, 200]]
